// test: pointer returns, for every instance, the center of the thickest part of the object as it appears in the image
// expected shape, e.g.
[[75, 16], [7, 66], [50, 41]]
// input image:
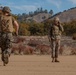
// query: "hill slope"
[[39, 17], [67, 15]]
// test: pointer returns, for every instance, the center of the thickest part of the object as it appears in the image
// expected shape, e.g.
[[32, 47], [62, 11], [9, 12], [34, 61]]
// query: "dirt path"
[[39, 65]]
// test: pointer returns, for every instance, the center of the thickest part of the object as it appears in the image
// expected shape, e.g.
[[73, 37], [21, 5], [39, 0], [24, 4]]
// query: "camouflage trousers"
[[55, 45], [5, 42]]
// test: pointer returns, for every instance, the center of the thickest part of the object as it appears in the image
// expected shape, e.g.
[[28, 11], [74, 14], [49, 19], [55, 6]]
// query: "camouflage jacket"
[[55, 31]]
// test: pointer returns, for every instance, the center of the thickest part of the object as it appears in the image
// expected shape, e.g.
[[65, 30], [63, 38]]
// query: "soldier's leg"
[[57, 50], [53, 44], [9, 43], [3, 46], [5, 56], [6, 47], [5, 53]]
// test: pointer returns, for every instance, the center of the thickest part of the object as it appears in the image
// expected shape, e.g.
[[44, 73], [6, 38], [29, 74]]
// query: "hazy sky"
[[24, 6]]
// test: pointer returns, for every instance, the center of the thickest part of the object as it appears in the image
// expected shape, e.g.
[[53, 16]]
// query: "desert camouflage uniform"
[[55, 36], [6, 29]]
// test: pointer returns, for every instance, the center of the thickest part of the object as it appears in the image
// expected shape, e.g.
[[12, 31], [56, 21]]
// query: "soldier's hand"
[[16, 33]]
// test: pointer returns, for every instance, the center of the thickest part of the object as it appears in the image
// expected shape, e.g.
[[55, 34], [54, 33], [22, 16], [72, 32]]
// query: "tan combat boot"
[[56, 60], [53, 59]]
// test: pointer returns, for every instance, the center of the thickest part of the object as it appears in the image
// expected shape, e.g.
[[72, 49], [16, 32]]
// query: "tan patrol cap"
[[56, 19]]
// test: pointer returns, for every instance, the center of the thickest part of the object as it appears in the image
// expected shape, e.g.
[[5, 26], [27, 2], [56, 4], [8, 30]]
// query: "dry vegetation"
[[41, 45]]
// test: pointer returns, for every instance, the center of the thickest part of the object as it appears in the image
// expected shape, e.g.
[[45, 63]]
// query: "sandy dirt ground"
[[39, 65]]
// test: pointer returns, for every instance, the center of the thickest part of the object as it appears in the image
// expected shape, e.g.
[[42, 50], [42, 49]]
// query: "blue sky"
[[24, 6]]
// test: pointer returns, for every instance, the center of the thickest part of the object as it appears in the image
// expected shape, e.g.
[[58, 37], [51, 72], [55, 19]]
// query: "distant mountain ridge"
[[39, 17], [66, 15]]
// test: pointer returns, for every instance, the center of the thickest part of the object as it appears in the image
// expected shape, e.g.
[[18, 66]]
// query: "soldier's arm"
[[50, 33], [16, 27], [50, 30], [61, 28]]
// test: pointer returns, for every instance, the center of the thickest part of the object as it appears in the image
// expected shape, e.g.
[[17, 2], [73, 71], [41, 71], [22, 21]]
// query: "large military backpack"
[[6, 23]]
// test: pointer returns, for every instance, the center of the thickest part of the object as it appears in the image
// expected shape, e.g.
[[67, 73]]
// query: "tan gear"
[[6, 23]]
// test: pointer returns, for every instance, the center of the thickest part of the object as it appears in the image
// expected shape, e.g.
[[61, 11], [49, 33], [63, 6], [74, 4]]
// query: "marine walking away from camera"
[[7, 22]]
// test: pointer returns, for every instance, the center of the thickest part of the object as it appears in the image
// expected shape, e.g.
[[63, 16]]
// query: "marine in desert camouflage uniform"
[[55, 36], [6, 28]]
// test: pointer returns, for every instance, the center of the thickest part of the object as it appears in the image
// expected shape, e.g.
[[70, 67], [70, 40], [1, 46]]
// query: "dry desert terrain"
[[39, 65]]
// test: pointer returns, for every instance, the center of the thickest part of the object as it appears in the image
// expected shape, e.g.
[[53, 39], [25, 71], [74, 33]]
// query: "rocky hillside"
[[39, 17], [66, 15]]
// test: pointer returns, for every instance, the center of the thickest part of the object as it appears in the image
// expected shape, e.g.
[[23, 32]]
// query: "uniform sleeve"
[[13, 19], [61, 28], [50, 30]]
